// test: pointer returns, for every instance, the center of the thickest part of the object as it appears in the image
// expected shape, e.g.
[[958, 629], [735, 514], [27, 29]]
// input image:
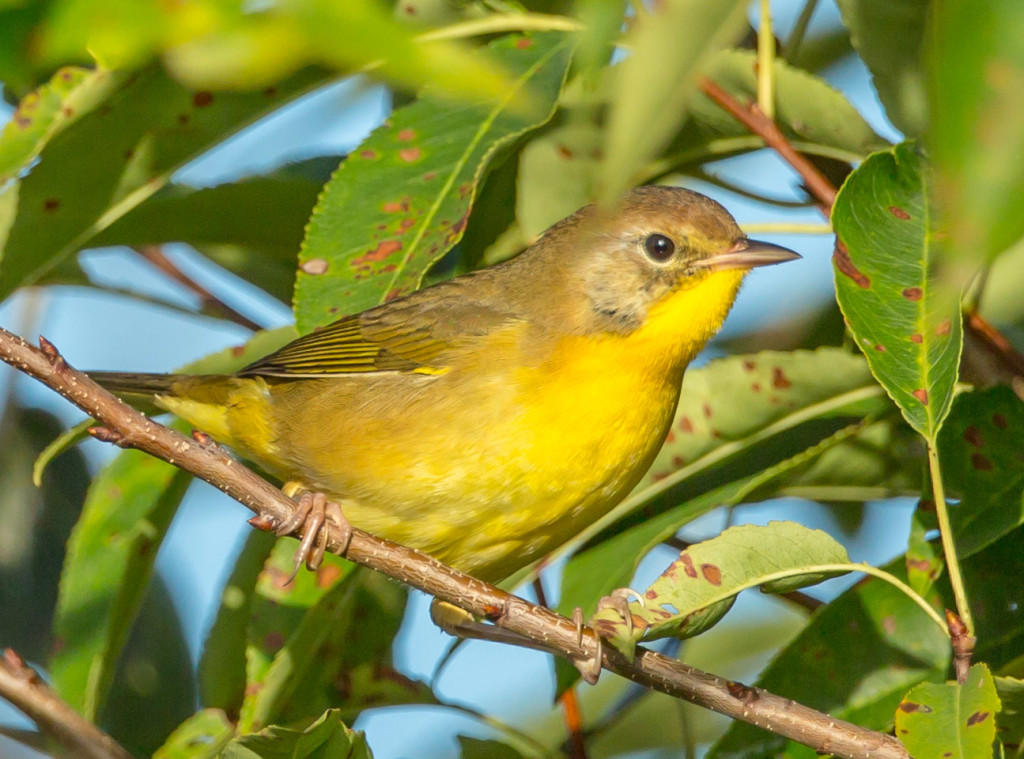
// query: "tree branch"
[[130, 429], [22, 686]]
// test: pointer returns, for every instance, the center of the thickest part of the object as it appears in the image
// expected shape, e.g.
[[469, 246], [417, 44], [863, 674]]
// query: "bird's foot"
[[618, 600], [313, 516]]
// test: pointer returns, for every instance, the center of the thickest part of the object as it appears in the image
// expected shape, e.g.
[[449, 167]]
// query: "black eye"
[[659, 247]]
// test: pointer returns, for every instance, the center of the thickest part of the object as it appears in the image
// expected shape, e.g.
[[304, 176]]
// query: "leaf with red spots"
[[121, 149], [427, 162], [949, 720], [885, 268], [982, 454], [44, 112], [697, 589]]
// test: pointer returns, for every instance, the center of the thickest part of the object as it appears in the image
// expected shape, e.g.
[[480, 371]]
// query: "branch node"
[[263, 522], [52, 354], [963, 645], [204, 440], [107, 435], [16, 667], [742, 692]]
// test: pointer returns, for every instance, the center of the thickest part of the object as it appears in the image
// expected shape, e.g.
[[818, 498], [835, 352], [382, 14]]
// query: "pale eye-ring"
[[659, 247]]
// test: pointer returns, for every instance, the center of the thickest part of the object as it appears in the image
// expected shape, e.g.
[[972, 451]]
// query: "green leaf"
[[977, 128], [698, 588], [37, 519], [201, 736], [42, 113], [476, 748], [222, 669], [325, 738], [108, 567], [886, 257], [1010, 720], [252, 227], [668, 48], [924, 559], [855, 659], [325, 640], [558, 174], [153, 688], [20, 71], [402, 199], [980, 449], [742, 422], [949, 720], [112, 158], [228, 46], [889, 35]]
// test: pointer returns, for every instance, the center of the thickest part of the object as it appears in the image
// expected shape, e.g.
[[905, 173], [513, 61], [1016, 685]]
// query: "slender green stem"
[[796, 38], [503, 22], [896, 582], [956, 578], [766, 61], [727, 146]]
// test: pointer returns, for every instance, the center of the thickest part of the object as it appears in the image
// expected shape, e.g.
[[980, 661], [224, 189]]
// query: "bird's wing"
[[415, 334]]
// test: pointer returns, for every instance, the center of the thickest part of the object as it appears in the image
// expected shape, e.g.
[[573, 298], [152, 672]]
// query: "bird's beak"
[[746, 254]]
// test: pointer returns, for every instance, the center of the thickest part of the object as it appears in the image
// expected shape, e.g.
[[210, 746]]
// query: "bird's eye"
[[659, 247]]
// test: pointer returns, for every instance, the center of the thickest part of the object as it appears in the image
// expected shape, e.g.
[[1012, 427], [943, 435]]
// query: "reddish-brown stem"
[[754, 119], [555, 633], [209, 302]]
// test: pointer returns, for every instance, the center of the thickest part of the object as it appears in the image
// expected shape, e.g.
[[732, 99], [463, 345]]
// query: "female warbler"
[[488, 419]]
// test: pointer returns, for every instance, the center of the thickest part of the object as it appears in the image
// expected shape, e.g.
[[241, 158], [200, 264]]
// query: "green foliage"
[[402, 200], [506, 118], [889, 35], [976, 135], [950, 720], [886, 257]]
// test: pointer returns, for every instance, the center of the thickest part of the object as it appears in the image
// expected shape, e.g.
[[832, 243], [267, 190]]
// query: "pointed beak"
[[747, 254]]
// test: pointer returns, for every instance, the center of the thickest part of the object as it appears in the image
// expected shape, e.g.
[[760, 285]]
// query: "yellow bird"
[[488, 419]]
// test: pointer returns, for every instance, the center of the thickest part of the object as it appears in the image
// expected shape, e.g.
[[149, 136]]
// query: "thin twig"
[[208, 302], [128, 428], [24, 688], [755, 120]]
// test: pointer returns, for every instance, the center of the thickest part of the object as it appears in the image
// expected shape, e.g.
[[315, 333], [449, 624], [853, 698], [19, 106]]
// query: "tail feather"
[[230, 409], [137, 385]]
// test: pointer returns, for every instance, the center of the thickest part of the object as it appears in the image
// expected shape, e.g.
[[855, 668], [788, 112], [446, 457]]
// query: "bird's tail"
[[132, 386], [205, 401]]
